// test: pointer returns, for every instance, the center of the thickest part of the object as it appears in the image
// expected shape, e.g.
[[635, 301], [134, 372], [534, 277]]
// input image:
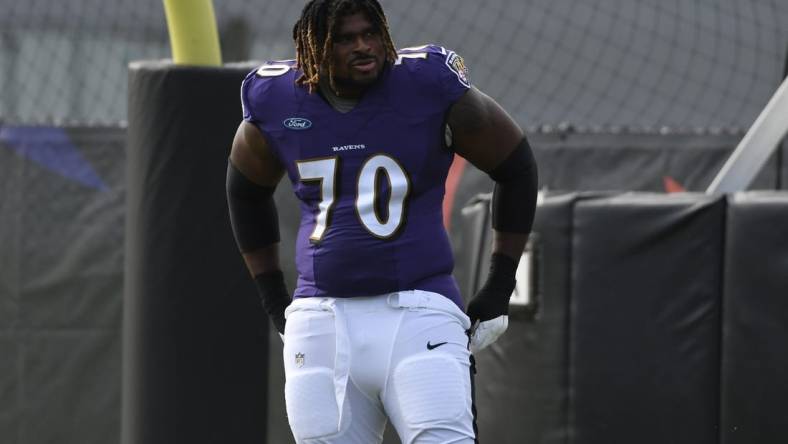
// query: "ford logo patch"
[[297, 123]]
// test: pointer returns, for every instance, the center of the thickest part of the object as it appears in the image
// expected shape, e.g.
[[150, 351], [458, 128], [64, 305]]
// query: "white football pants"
[[351, 364]]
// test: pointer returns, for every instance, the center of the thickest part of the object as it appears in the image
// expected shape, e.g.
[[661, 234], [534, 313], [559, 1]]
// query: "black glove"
[[274, 296], [492, 300]]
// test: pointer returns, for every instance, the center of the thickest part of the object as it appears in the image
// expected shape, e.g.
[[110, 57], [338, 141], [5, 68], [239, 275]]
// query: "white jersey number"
[[323, 171], [274, 69], [377, 167]]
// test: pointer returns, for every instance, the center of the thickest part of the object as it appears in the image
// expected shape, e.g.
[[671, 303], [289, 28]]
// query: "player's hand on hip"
[[489, 313], [489, 309]]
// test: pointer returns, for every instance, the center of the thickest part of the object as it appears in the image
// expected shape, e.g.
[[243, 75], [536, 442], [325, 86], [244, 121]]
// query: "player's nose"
[[361, 44]]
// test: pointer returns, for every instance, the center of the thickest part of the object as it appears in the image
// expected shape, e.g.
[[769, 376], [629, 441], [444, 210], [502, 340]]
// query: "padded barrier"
[[645, 319], [522, 380], [755, 322], [782, 180], [195, 337], [472, 244]]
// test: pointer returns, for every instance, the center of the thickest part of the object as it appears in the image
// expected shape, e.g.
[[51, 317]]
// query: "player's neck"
[[343, 103]]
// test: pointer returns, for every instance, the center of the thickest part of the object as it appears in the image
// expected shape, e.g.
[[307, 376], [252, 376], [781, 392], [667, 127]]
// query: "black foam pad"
[[755, 321], [645, 319], [522, 381], [195, 336]]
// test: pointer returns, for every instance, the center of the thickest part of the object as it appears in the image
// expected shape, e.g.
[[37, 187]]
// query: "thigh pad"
[[311, 403], [431, 388]]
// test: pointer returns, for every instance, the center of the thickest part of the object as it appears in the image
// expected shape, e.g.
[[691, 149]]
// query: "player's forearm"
[[263, 260], [510, 244], [263, 264]]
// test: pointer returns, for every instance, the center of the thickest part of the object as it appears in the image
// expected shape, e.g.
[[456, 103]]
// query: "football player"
[[376, 329]]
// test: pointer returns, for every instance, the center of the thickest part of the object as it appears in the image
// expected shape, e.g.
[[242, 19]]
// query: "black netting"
[[601, 63], [65, 61]]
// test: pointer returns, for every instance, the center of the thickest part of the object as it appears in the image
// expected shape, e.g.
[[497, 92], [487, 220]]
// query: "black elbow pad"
[[253, 215], [516, 186]]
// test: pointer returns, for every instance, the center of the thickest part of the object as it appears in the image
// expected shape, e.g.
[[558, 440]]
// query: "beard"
[[352, 79]]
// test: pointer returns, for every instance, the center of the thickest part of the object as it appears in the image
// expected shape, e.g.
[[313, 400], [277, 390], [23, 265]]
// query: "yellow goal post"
[[194, 37]]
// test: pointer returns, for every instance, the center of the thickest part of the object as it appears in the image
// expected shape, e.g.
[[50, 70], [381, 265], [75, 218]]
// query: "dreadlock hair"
[[313, 34]]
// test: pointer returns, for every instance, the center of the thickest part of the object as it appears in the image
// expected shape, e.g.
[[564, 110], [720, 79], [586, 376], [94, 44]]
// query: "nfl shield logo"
[[299, 359]]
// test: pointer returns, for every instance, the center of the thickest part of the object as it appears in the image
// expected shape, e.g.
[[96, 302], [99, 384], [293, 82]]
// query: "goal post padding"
[[195, 339]]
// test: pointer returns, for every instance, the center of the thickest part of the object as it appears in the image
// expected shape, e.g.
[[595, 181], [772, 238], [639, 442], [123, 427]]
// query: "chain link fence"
[[643, 65]]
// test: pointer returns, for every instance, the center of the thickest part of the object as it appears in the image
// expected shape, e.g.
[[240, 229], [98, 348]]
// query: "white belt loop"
[[310, 304], [392, 299], [417, 299], [327, 304], [410, 299], [424, 299]]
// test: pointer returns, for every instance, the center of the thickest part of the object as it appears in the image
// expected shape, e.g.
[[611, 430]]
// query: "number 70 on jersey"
[[325, 172]]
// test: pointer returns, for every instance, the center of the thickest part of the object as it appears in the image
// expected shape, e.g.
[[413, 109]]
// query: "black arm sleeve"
[[514, 197], [253, 215], [274, 296]]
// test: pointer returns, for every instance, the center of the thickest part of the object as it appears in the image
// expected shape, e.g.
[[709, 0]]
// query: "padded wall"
[[645, 319], [522, 379], [783, 166], [195, 337], [755, 322], [473, 240]]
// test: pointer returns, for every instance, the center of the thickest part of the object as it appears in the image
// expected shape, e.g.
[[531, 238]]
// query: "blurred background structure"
[[643, 64], [615, 95]]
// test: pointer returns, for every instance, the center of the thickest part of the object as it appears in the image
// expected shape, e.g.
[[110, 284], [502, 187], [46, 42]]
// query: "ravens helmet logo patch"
[[457, 65]]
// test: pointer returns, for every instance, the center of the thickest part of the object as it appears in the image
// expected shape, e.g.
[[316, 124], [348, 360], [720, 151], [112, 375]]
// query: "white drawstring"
[[341, 358]]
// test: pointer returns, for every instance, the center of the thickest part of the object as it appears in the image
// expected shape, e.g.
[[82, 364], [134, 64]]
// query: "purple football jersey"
[[370, 181]]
